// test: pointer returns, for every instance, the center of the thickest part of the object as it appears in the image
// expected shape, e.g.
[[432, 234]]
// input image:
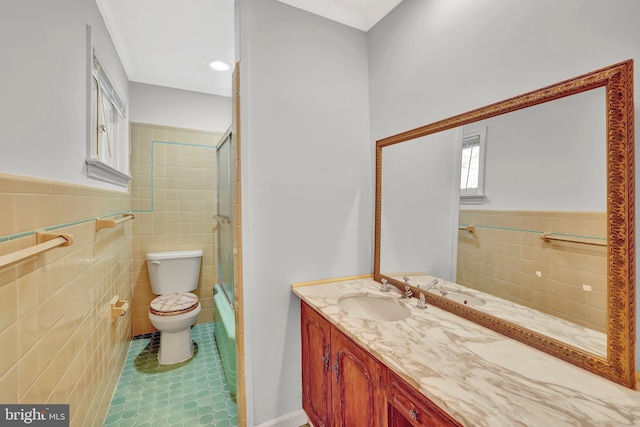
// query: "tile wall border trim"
[[153, 143], [22, 234], [492, 227]]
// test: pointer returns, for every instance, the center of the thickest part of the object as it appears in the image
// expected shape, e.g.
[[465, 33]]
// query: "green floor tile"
[[193, 393]]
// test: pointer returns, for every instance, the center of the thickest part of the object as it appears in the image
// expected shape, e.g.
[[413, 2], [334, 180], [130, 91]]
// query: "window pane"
[[470, 163], [105, 130]]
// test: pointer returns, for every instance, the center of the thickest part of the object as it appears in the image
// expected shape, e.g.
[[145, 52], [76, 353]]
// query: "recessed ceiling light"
[[219, 65]]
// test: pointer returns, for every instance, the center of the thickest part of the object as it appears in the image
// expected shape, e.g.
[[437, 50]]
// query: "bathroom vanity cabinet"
[[435, 368], [344, 385]]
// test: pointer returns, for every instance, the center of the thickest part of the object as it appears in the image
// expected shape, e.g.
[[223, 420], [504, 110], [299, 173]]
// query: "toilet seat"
[[174, 304]]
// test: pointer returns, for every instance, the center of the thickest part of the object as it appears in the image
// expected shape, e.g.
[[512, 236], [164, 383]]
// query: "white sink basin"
[[464, 299], [374, 307]]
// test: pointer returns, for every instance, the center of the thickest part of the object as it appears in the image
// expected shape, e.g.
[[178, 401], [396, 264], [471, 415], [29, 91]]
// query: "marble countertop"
[[551, 326], [478, 376]]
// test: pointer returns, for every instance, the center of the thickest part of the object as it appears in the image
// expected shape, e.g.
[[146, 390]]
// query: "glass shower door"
[[224, 216]]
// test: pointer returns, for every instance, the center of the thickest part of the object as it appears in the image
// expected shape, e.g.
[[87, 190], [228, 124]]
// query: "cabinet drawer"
[[406, 402]]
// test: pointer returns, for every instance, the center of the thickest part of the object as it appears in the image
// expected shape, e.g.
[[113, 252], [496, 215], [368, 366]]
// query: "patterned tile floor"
[[192, 393]]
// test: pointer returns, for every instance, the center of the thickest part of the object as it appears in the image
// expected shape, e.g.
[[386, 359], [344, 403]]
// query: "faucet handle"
[[422, 302], [385, 287]]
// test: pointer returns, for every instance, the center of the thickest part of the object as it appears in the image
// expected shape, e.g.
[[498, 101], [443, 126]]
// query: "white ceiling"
[[170, 42], [360, 14]]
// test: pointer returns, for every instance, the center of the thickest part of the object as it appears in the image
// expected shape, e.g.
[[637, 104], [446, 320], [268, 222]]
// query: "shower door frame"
[[225, 219]]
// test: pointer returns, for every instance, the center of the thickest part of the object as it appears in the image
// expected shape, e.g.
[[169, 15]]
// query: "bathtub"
[[225, 335]]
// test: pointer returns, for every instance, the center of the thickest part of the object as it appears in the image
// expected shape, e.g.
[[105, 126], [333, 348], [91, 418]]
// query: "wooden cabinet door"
[[357, 385], [316, 372]]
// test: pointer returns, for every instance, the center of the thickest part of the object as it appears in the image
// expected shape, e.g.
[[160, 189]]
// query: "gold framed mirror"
[[615, 83]]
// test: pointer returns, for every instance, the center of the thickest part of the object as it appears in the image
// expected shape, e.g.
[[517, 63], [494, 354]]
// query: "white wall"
[[180, 108], [43, 82], [429, 60], [306, 182]]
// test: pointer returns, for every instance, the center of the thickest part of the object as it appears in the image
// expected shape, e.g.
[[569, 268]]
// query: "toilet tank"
[[173, 272]]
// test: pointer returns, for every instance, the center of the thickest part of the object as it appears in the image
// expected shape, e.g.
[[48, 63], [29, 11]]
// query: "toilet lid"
[[174, 304]]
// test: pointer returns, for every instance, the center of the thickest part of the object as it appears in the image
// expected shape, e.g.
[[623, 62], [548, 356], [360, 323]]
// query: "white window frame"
[[106, 117], [475, 195]]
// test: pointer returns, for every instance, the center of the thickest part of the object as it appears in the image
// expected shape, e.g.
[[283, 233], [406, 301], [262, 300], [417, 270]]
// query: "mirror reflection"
[[544, 173], [419, 195]]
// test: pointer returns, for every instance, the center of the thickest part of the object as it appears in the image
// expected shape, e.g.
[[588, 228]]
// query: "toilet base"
[[175, 347]]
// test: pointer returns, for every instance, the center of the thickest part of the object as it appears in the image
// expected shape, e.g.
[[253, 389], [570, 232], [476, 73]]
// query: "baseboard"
[[292, 419]]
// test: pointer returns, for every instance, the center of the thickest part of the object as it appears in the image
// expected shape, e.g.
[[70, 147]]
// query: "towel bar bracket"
[[110, 223], [45, 236]]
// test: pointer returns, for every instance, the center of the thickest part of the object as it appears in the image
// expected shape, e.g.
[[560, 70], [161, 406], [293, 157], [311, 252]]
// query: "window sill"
[[103, 172], [476, 199]]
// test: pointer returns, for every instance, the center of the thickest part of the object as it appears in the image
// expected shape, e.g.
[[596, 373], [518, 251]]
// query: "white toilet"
[[172, 276]]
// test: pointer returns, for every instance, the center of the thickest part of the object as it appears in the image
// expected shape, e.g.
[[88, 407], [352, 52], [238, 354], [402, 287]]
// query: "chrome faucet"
[[436, 282], [407, 292], [431, 284], [407, 288], [386, 287]]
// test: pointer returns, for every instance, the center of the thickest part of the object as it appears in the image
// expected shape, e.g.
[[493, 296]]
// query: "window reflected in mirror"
[[472, 166]]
